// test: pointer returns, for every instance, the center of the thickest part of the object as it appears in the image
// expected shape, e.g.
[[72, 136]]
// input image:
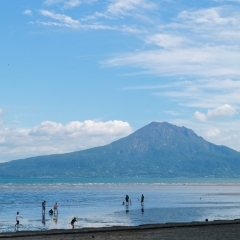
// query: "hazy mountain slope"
[[156, 150]]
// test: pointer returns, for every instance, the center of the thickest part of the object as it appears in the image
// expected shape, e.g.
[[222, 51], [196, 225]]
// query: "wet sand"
[[219, 230]]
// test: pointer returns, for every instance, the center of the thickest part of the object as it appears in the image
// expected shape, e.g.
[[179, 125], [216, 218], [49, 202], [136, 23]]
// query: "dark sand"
[[216, 230]]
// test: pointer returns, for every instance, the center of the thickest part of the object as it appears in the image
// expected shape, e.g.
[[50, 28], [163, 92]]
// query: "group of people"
[[55, 207], [55, 210], [128, 200]]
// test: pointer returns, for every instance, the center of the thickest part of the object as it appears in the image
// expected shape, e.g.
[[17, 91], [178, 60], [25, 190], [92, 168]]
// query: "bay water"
[[99, 202]]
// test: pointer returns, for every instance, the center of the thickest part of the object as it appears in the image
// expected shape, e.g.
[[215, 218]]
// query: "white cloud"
[[27, 12], [122, 7], [213, 132], [166, 40], [200, 116], [205, 93], [196, 43], [191, 61], [51, 137], [72, 3], [207, 16], [63, 20], [224, 111], [68, 3]]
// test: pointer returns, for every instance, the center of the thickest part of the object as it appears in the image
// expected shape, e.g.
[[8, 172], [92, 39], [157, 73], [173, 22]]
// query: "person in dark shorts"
[[73, 221], [17, 219], [43, 206]]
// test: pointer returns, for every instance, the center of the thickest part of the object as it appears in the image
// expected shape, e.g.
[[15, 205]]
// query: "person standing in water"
[[17, 219], [55, 207], [127, 198], [142, 199]]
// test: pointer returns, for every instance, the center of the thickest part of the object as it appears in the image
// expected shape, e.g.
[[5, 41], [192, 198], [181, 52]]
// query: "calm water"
[[98, 202]]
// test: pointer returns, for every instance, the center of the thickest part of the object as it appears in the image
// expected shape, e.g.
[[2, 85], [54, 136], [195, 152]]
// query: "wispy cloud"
[[123, 7], [208, 16], [191, 61], [27, 12], [196, 43], [207, 93], [63, 20], [68, 3]]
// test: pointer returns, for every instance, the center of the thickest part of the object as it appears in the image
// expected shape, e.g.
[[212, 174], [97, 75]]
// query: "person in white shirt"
[[17, 219]]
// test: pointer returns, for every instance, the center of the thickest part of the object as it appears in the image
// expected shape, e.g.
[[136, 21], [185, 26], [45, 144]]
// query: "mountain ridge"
[[155, 150]]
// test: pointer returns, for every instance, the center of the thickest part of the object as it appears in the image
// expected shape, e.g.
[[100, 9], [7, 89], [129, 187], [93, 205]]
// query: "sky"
[[76, 74]]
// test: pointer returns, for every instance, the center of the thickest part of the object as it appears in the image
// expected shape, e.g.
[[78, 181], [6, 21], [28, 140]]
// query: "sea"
[[98, 202]]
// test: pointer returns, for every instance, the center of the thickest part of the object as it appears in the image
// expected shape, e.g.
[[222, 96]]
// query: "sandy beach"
[[219, 230]]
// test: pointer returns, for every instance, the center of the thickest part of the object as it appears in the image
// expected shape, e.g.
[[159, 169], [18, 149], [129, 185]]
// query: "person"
[[55, 207], [51, 212], [17, 219], [73, 221], [126, 198], [43, 206], [142, 199]]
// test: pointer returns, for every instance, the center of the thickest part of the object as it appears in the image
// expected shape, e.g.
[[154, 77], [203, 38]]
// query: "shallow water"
[[100, 204]]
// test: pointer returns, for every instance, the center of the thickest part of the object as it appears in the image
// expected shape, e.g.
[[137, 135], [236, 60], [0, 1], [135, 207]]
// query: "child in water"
[[73, 221], [17, 219]]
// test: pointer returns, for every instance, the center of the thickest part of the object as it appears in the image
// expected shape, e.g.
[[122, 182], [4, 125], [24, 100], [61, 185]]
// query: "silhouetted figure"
[[127, 198], [142, 199], [73, 221], [51, 212]]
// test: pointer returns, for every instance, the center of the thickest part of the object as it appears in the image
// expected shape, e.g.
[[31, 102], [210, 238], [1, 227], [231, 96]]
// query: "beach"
[[98, 205], [219, 230]]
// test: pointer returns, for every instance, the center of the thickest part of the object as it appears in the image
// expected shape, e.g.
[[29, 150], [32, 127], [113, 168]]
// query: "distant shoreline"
[[196, 230], [139, 180]]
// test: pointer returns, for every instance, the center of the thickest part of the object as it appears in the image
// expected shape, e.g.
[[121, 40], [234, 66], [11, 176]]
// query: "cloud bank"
[[223, 111], [51, 137]]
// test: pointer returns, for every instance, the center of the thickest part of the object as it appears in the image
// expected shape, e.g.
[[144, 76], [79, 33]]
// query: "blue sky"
[[82, 73]]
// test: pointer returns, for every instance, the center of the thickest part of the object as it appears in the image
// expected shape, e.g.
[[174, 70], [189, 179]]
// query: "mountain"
[[156, 150]]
